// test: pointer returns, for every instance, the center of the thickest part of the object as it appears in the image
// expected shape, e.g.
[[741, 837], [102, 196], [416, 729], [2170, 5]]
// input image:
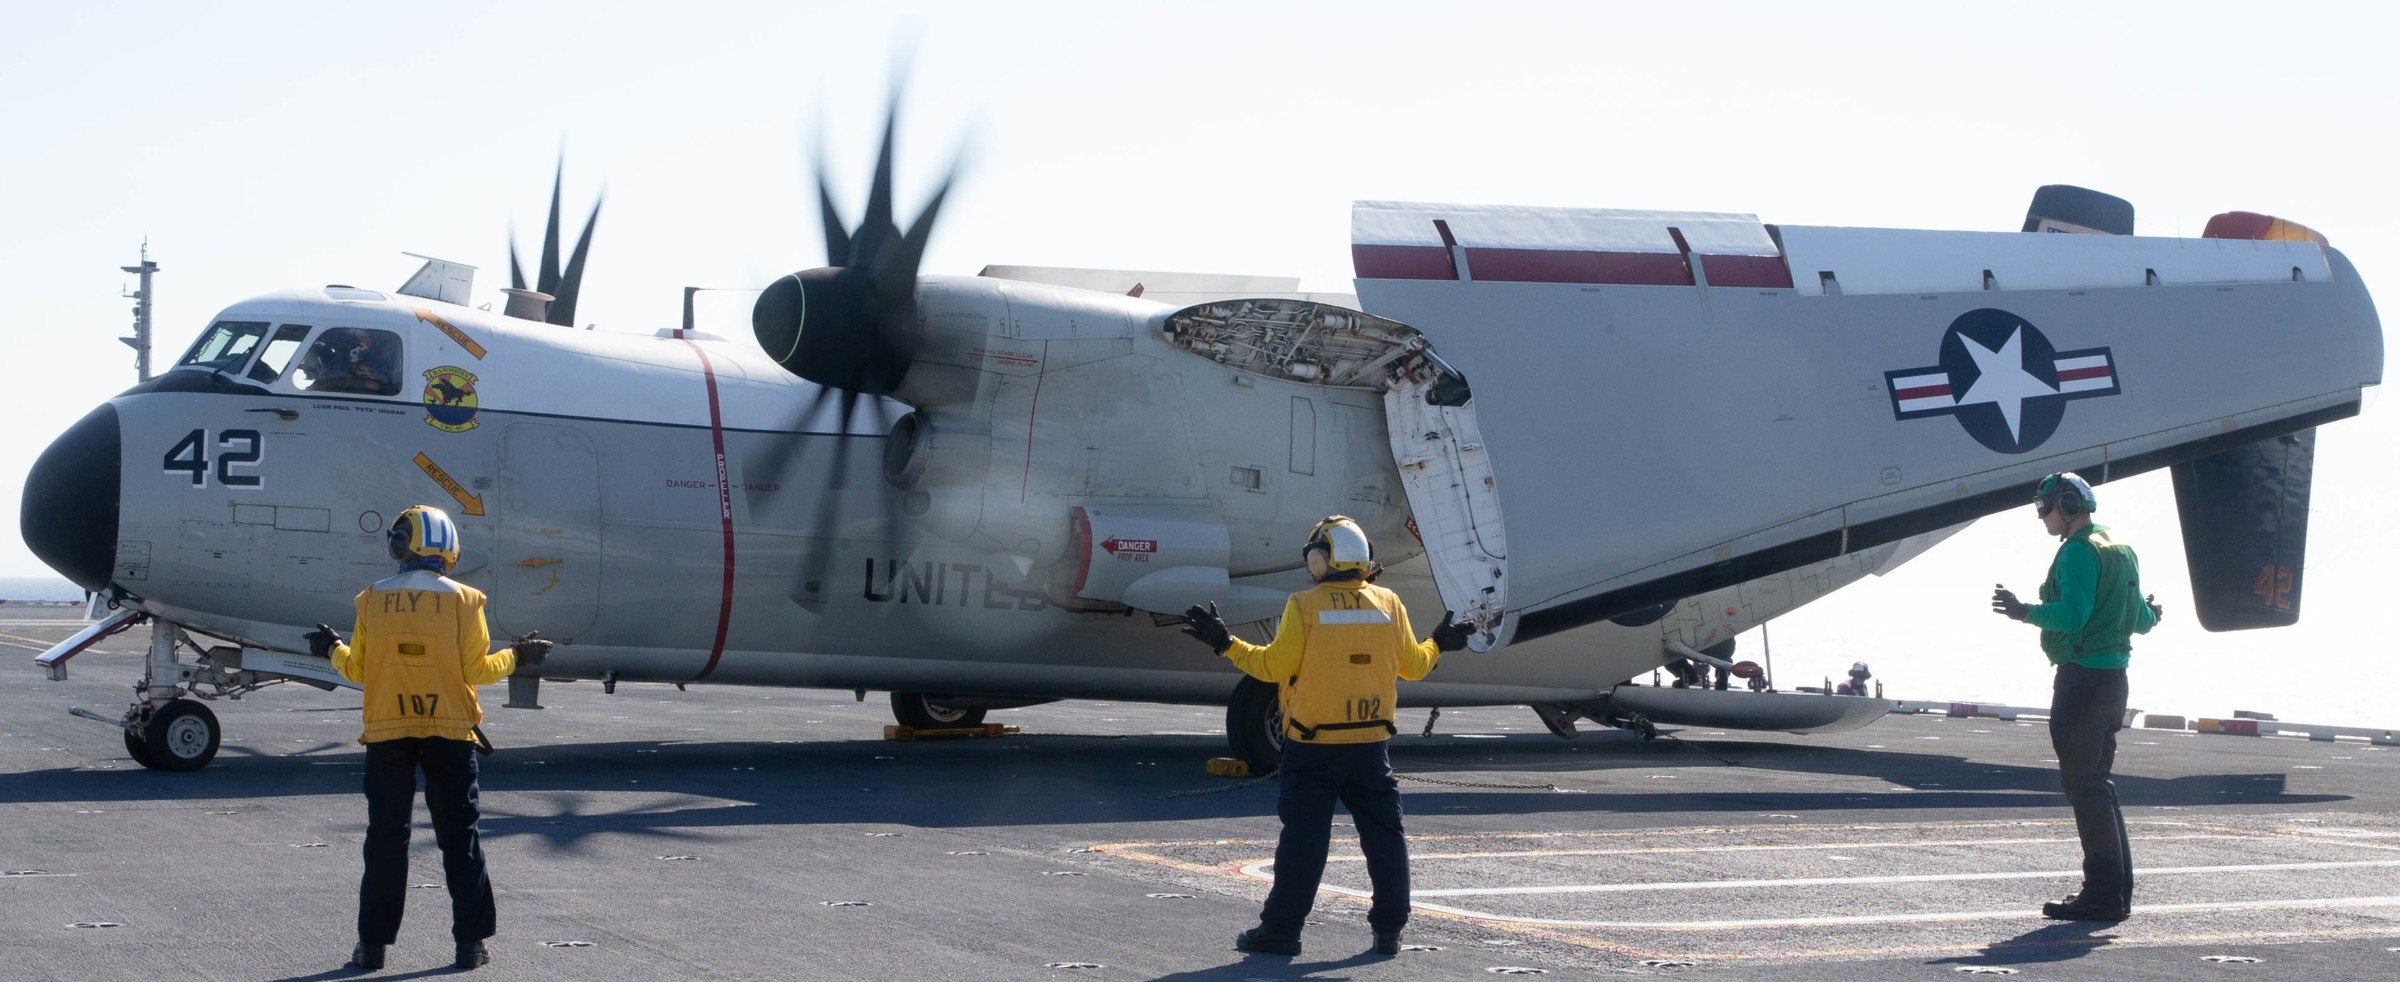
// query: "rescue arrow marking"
[[468, 504], [455, 334]]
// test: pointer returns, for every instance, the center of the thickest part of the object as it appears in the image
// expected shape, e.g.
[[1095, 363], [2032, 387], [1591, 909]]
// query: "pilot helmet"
[[2064, 490], [423, 533], [1344, 543]]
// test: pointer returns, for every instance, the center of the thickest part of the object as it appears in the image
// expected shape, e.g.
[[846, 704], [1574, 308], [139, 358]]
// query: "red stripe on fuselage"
[[2077, 374], [1921, 392], [716, 435]]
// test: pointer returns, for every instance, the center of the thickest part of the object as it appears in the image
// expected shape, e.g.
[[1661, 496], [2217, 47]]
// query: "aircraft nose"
[[70, 507]]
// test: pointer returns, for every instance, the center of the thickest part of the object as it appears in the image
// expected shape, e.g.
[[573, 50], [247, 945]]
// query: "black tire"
[[181, 736], [920, 711], [139, 750], [1254, 725]]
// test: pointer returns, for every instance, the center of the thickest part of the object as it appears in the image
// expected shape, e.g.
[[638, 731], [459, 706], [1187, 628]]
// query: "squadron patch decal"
[[2002, 379], [450, 399]]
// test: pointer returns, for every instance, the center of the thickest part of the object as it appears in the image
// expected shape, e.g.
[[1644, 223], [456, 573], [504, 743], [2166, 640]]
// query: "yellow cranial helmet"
[[1345, 544], [423, 532]]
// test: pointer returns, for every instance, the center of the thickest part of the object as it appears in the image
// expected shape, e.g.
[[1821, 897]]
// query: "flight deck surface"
[[730, 833]]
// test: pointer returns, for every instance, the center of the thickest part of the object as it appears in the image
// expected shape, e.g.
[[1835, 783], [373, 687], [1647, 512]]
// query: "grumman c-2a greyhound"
[[999, 490]]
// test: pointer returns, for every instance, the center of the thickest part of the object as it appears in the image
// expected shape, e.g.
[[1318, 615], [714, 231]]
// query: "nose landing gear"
[[182, 735], [164, 729]]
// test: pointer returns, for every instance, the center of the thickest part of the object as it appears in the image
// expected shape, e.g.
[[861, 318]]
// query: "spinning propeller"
[[562, 286], [849, 326]]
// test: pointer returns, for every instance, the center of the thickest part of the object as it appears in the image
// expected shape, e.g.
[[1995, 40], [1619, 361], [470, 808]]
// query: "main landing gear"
[[923, 711], [1254, 725]]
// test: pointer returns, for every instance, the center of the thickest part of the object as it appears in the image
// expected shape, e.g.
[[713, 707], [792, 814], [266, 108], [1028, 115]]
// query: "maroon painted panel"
[[1564, 266], [1758, 271], [1401, 262]]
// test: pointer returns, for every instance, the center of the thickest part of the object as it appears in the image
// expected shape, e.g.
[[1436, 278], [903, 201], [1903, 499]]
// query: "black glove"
[[2006, 603], [1208, 627], [322, 641], [530, 649], [2156, 612], [1451, 634]]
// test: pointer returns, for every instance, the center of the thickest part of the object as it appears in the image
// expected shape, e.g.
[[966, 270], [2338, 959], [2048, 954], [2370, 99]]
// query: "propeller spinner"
[[851, 324]]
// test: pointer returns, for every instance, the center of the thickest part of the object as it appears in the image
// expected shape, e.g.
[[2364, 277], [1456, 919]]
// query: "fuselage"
[[668, 507]]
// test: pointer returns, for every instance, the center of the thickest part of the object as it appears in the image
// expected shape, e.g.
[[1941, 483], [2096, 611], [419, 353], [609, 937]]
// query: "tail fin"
[[2245, 531], [2245, 511]]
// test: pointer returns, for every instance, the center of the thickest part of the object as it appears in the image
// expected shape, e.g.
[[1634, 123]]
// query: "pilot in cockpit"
[[350, 360]]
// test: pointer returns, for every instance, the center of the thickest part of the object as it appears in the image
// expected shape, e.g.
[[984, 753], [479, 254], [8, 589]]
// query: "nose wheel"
[[182, 735]]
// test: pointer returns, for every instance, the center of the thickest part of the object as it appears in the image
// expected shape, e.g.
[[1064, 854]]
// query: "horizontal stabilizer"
[[2245, 531]]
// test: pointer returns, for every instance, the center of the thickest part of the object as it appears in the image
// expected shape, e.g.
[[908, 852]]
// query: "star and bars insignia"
[[2002, 379]]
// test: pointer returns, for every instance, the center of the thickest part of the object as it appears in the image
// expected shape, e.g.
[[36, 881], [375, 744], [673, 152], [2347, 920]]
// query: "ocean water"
[[24, 588]]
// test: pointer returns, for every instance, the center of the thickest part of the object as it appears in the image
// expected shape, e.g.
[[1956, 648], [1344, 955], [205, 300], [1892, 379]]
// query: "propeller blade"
[[784, 453], [570, 283], [876, 231], [549, 270], [821, 533], [837, 236], [516, 273]]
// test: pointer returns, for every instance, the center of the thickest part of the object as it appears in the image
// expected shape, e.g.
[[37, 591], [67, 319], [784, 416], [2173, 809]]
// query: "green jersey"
[[2092, 603]]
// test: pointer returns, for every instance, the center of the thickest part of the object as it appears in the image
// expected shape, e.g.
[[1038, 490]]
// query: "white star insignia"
[[2003, 381]]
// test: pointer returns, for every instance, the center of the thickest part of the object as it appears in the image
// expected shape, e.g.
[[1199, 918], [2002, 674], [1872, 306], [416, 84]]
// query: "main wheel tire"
[[1254, 725], [920, 711], [181, 736]]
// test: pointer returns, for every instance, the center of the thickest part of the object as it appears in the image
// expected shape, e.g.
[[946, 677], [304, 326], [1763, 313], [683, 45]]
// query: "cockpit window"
[[225, 345], [353, 359], [277, 355]]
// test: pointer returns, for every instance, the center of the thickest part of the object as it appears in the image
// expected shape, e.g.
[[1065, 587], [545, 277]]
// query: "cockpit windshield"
[[225, 345]]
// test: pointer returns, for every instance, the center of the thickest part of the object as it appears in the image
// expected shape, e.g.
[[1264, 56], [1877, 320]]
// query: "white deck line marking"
[[1416, 857], [1914, 918], [1820, 881], [1966, 915]]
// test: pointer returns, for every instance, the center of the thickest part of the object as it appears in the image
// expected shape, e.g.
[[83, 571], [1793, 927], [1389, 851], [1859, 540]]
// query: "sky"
[[262, 146]]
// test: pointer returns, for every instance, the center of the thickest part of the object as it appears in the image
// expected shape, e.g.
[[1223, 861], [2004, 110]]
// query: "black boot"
[[472, 955], [366, 956], [2077, 908], [1252, 941], [1387, 942]]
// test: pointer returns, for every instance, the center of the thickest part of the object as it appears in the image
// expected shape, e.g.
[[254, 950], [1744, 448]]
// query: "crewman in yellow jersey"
[[419, 649], [1336, 660]]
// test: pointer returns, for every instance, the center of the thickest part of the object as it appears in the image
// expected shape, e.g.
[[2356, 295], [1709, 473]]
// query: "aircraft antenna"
[[140, 341]]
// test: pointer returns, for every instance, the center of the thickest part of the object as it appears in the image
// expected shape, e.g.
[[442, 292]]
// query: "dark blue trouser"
[[450, 794], [1313, 777], [2087, 708]]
